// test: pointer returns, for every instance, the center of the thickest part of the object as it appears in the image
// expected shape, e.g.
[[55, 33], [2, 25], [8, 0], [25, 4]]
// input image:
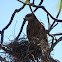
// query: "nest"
[[25, 51]]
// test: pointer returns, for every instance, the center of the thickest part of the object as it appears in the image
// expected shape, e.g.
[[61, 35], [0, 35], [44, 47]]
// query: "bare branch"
[[57, 34], [54, 44], [21, 1], [0, 32], [2, 36], [54, 21], [3, 59], [52, 41], [39, 6], [20, 30], [60, 39], [49, 25], [52, 27], [17, 10], [33, 1], [58, 13], [30, 8], [55, 25]]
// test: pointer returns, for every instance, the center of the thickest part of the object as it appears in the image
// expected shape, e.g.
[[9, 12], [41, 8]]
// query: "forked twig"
[[54, 22], [54, 44], [39, 4]]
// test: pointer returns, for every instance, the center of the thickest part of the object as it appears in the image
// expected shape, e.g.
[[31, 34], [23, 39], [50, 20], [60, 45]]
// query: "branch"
[[0, 32], [49, 25], [58, 13], [21, 1], [60, 39], [51, 42], [3, 59], [12, 17], [52, 26], [54, 44], [33, 1], [31, 9], [39, 6], [2, 36], [20, 30], [54, 22], [57, 34]]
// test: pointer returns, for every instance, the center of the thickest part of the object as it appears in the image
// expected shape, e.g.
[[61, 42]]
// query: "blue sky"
[[7, 7]]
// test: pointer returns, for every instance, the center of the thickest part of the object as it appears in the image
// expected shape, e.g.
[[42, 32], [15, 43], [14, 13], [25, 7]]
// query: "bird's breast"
[[33, 30]]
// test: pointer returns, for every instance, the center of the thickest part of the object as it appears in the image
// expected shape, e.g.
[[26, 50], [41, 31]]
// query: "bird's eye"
[[29, 15]]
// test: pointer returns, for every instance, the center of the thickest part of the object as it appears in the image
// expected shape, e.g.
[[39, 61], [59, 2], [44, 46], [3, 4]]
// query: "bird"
[[36, 29]]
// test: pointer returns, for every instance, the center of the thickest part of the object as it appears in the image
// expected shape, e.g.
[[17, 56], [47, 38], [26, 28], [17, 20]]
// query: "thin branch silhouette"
[[12, 17]]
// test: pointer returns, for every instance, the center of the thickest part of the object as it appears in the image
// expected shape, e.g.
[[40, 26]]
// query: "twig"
[[51, 44], [54, 44], [54, 26], [58, 13], [2, 36], [20, 30], [54, 21], [49, 25], [3, 59], [0, 32], [57, 34], [21, 1], [60, 39], [12, 17], [31, 9], [33, 1], [39, 6]]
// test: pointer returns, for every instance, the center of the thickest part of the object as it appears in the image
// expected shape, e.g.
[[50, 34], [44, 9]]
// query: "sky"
[[7, 7]]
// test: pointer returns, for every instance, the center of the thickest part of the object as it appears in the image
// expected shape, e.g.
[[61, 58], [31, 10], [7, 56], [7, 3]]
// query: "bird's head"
[[29, 16]]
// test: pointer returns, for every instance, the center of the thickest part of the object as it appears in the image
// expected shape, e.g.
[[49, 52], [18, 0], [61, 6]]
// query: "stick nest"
[[25, 51]]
